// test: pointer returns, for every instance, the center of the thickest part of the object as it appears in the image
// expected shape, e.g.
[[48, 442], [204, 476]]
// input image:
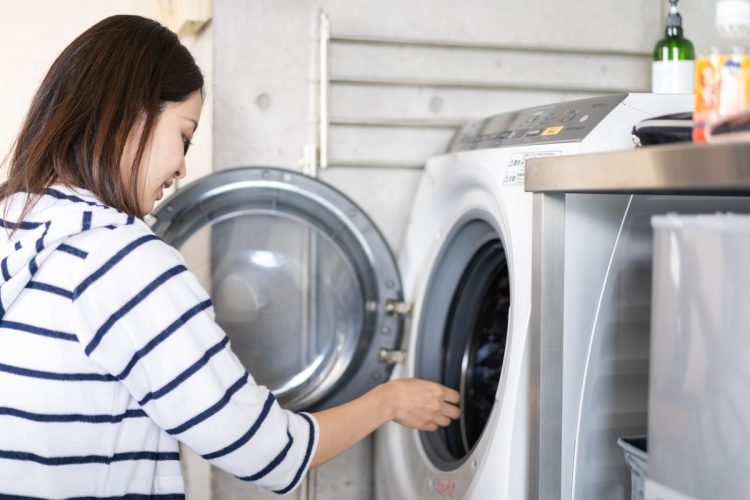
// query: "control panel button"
[[568, 116], [552, 130]]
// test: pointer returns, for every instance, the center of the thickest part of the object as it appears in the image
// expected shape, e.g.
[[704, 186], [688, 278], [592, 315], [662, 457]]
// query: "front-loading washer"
[[466, 270]]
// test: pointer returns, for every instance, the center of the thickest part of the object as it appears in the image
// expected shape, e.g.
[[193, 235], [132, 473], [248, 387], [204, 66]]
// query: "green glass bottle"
[[673, 67]]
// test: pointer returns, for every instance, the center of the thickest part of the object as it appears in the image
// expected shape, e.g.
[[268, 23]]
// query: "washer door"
[[300, 278]]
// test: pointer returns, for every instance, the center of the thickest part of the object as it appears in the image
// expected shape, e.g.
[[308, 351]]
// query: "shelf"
[[710, 169]]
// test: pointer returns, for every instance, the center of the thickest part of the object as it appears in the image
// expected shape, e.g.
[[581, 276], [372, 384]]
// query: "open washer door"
[[300, 278]]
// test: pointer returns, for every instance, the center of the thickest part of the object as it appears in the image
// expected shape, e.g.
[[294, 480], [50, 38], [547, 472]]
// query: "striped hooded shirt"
[[110, 355]]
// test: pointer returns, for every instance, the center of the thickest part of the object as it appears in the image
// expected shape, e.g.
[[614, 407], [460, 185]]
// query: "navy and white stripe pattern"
[[109, 354]]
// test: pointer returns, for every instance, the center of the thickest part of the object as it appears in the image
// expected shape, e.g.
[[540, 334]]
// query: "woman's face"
[[164, 158]]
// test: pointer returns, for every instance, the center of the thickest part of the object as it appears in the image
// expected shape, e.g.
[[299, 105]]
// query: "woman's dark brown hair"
[[116, 75]]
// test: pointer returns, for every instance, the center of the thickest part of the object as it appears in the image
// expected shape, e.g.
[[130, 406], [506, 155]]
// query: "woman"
[[109, 353]]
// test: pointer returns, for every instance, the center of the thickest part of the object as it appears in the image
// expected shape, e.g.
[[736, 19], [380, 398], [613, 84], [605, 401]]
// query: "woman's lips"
[[164, 186]]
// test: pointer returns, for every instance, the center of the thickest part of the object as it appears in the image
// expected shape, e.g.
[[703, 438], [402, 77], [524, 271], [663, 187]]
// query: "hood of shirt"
[[58, 214]]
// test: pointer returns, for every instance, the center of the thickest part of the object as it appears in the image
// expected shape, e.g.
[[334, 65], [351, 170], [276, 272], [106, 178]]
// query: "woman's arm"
[[414, 403]]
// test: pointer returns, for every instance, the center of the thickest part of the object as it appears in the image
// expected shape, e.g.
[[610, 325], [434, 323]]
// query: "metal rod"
[[308, 490], [325, 33], [308, 160], [311, 486], [459, 44], [359, 163], [399, 122], [477, 85]]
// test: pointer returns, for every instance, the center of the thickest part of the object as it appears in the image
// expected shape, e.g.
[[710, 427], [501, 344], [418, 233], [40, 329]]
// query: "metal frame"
[[316, 156], [545, 336]]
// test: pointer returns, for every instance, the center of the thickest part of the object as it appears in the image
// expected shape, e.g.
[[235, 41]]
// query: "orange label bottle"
[[707, 88], [722, 78]]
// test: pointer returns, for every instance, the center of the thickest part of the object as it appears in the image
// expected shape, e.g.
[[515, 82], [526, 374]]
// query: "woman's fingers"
[[442, 420], [451, 396], [450, 411]]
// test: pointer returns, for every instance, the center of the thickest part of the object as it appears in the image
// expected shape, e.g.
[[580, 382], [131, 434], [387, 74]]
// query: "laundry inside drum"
[[463, 335], [475, 340]]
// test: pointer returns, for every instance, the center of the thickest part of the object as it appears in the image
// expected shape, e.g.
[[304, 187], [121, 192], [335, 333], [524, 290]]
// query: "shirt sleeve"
[[144, 317]]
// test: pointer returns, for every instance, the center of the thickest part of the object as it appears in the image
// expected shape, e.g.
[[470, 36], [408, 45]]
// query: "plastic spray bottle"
[[673, 70]]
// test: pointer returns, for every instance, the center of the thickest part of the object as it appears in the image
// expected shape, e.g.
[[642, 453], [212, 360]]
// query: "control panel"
[[569, 121]]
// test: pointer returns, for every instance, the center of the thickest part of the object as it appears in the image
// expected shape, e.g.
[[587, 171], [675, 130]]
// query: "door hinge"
[[398, 308], [391, 356]]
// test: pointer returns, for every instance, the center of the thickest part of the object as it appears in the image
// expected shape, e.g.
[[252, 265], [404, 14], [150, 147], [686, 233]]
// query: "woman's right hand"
[[421, 404], [411, 402]]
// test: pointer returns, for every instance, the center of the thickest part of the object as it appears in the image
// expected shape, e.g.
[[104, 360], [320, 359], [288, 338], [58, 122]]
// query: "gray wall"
[[266, 78], [403, 74]]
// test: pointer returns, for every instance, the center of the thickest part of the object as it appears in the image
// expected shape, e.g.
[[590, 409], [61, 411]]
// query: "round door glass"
[[300, 279], [286, 294]]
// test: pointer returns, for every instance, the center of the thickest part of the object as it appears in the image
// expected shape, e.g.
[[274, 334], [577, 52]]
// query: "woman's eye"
[[186, 144]]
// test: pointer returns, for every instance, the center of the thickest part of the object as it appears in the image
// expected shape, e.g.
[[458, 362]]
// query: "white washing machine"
[[466, 271]]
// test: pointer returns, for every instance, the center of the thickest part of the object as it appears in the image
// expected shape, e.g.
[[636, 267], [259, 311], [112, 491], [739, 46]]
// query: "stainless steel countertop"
[[680, 168]]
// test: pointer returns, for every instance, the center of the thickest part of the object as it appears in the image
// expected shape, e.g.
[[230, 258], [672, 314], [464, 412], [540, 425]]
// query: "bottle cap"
[[674, 19], [733, 17]]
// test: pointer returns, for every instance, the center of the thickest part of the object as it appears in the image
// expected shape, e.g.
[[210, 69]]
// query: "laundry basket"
[[636, 456], [699, 381]]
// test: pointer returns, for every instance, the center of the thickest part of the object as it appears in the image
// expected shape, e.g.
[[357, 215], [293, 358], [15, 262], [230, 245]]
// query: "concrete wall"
[[267, 98], [266, 71]]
